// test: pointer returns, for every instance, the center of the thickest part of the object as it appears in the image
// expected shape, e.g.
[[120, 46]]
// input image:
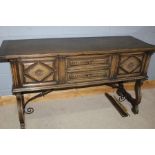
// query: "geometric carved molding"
[[38, 72], [130, 64]]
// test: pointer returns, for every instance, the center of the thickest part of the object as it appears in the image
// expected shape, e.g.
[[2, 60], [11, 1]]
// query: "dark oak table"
[[43, 65]]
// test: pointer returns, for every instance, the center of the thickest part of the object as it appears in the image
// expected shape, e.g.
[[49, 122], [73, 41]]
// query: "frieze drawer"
[[87, 76], [82, 62]]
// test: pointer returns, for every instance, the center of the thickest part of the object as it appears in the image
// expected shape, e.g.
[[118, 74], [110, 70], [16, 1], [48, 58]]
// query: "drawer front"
[[39, 71], [130, 65], [88, 68], [83, 62], [84, 76]]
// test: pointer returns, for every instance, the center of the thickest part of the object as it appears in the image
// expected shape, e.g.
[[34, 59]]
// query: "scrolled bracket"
[[124, 95], [30, 110], [119, 90]]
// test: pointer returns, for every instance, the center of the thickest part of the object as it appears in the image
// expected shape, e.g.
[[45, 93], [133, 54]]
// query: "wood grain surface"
[[16, 48]]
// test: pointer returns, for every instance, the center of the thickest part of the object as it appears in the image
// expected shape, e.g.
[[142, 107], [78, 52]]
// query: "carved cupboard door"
[[130, 65], [39, 71]]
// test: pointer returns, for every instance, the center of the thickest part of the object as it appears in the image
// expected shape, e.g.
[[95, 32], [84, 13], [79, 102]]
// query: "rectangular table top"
[[12, 48]]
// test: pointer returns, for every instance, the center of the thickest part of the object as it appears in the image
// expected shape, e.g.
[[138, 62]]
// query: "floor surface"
[[85, 112]]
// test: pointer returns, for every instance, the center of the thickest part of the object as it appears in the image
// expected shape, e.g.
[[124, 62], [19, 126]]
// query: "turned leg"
[[20, 106]]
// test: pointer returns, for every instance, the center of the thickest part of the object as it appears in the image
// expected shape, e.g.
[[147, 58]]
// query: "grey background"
[[146, 34]]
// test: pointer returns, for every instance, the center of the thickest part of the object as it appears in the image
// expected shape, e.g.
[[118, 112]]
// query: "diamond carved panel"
[[130, 64], [39, 72]]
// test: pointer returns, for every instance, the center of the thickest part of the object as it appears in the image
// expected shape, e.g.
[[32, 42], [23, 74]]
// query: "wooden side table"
[[44, 65]]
